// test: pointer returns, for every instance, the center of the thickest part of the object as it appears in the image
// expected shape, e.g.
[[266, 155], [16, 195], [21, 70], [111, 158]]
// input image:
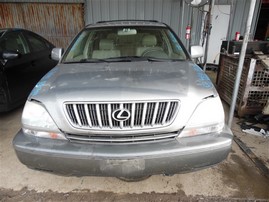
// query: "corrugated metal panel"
[[239, 17], [175, 13], [222, 2], [172, 12], [58, 23], [197, 23], [43, 1]]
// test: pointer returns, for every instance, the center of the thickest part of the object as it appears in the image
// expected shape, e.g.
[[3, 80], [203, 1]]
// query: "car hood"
[[123, 81]]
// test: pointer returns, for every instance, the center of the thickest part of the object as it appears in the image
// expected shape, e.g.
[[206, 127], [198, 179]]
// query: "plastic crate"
[[254, 84]]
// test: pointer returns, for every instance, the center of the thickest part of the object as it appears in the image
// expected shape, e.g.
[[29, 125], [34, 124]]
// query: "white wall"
[[219, 31]]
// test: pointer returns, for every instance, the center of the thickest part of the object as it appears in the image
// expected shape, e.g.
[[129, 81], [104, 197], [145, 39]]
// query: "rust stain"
[[7, 18], [57, 22]]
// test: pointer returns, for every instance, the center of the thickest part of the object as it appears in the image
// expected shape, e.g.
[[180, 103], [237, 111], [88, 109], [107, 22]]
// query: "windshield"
[[125, 42]]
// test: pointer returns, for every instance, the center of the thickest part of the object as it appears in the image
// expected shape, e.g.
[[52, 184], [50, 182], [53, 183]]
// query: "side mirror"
[[56, 53], [197, 52], [10, 55]]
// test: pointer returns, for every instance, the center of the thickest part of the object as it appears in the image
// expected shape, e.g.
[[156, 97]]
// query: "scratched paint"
[[43, 82], [202, 79]]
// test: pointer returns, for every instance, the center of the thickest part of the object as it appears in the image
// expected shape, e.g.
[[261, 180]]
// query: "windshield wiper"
[[136, 58], [114, 59], [153, 59], [125, 59], [86, 61], [141, 58]]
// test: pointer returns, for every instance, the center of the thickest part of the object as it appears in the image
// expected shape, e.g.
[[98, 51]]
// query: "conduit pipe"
[[241, 62]]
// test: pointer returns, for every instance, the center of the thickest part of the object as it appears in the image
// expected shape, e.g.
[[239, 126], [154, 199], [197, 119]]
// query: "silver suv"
[[125, 100]]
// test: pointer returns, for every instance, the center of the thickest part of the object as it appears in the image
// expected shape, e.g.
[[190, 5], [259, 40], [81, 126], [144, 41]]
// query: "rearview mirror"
[[127, 31], [197, 52], [10, 55], [56, 53]]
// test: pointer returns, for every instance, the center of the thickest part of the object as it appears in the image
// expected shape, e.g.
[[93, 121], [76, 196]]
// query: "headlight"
[[208, 117], [37, 121]]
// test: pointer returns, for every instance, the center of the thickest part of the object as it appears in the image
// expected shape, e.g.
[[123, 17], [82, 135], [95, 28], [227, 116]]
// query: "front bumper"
[[132, 160]]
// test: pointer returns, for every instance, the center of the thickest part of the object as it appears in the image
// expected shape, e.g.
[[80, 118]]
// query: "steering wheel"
[[154, 52]]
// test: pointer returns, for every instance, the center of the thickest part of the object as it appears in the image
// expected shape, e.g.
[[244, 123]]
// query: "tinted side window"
[[36, 43], [14, 41]]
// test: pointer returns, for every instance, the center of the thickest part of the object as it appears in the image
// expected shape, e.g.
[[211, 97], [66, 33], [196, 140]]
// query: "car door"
[[41, 56], [15, 71]]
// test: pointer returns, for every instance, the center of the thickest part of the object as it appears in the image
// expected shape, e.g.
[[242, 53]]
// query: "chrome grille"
[[121, 139], [143, 115]]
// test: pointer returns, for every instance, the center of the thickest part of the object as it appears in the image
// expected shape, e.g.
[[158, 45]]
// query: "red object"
[[188, 32], [237, 35]]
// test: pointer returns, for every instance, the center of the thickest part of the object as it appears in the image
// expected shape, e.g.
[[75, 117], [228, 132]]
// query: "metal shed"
[[60, 20]]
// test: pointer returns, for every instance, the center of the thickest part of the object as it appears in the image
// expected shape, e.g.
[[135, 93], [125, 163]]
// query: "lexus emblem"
[[121, 115]]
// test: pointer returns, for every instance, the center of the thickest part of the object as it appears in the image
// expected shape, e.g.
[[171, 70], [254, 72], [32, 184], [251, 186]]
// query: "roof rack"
[[126, 20]]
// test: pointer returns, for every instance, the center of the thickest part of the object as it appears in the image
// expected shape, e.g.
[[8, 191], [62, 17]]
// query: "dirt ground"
[[84, 195]]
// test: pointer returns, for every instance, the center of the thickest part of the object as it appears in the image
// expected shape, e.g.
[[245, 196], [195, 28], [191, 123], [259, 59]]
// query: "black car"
[[24, 60]]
